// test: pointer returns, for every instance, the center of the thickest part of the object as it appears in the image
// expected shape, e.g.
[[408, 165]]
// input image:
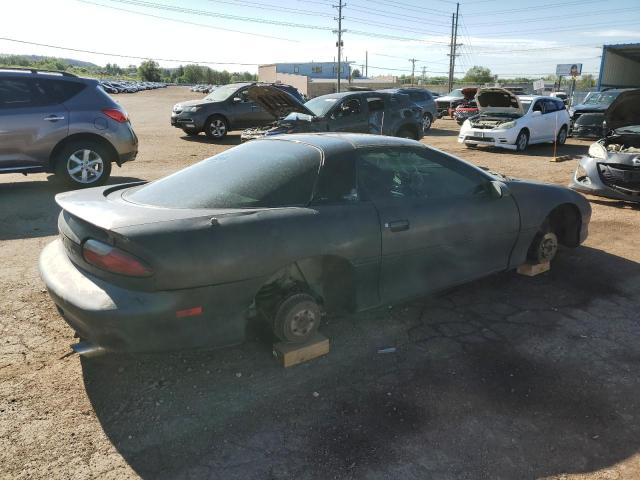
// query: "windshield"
[[220, 94], [525, 105], [604, 98], [261, 173], [321, 105]]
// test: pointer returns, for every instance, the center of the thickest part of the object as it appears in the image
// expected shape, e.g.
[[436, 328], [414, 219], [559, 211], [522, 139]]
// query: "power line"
[[188, 22], [119, 55]]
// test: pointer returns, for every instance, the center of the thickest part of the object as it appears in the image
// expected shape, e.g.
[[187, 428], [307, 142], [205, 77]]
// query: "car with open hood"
[[587, 118], [285, 228], [506, 120], [446, 104], [468, 108], [372, 112], [225, 108], [612, 166]]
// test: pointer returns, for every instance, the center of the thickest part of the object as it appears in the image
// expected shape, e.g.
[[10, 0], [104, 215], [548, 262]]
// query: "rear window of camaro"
[[261, 173]]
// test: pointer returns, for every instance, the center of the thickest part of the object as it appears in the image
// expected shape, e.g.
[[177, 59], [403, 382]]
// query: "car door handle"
[[397, 225], [53, 118]]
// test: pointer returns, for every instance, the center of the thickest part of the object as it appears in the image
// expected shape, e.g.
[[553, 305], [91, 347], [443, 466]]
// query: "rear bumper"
[[123, 320]]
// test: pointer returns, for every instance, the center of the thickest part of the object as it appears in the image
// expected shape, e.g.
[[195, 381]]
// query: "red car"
[[468, 108]]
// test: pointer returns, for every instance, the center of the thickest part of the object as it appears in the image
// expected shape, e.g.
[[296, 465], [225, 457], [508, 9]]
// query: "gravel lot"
[[509, 377]]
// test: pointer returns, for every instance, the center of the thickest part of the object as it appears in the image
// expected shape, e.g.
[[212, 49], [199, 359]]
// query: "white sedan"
[[508, 121]]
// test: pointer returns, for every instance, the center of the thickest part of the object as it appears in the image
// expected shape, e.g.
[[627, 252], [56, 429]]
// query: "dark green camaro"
[[284, 228]]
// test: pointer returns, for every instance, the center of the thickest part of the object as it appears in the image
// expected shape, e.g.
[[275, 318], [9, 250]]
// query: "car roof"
[[334, 143], [536, 97]]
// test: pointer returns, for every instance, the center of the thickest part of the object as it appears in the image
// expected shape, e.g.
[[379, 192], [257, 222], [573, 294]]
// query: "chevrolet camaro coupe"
[[285, 228]]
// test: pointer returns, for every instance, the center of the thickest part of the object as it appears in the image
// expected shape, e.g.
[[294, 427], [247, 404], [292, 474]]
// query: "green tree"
[[477, 74], [149, 71], [356, 73]]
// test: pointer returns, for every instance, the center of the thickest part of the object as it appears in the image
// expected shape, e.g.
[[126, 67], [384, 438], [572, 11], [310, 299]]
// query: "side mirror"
[[237, 100], [536, 113], [497, 189]]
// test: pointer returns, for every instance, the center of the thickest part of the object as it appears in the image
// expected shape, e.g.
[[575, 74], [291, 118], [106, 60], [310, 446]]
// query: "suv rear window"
[[16, 93], [58, 91], [261, 173]]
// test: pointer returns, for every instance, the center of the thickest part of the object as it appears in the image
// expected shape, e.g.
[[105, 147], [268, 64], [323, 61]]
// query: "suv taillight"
[[113, 259], [115, 114]]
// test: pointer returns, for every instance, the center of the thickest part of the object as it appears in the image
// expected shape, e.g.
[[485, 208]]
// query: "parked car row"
[[203, 88], [129, 86], [265, 109]]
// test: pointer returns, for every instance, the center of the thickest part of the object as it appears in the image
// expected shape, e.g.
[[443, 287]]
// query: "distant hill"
[[39, 58]]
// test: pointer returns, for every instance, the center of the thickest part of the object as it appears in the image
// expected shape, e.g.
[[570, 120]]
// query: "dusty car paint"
[[355, 253]]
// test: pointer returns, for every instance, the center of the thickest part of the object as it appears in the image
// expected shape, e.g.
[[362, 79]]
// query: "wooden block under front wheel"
[[533, 269], [290, 354]]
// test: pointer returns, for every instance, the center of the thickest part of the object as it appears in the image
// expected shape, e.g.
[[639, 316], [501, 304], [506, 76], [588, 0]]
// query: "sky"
[[523, 38]]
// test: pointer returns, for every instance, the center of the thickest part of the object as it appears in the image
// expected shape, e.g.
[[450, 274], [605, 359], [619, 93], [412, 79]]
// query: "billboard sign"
[[568, 69], [538, 85]]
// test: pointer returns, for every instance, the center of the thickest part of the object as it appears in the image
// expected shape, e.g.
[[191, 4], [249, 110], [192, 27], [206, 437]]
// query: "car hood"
[[591, 107], [498, 100], [275, 101], [189, 103], [624, 110], [469, 92], [448, 98]]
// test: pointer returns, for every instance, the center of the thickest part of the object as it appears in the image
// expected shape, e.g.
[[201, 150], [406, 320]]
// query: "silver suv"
[[57, 122]]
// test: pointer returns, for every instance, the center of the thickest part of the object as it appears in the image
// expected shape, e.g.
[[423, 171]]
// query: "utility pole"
[[413, 70], [366, 63], [339, 44], [454, 45], [424, 74]]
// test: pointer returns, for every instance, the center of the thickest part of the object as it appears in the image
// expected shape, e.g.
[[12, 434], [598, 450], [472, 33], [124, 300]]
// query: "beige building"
[[314, 87]]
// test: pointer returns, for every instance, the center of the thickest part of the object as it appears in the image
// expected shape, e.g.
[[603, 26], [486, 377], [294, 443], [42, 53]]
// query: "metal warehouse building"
[[620, 66]]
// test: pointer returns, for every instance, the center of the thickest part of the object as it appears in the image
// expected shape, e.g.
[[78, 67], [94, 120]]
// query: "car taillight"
[[113, 259], [115, 114]]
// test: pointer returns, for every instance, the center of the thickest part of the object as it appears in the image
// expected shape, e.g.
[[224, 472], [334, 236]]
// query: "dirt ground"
[[506, 378]]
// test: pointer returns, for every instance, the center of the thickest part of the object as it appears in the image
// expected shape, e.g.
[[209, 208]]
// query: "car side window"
[[416, 96], [415, 174], [560, 105], [54, 92], [550, 106], [537, 107], [17, 93], [242, 95], [349, 107], [375, 104], [337, 180]]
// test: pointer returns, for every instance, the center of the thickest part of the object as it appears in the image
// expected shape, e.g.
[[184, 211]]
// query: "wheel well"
[[525, 129], [566, 222], [330, 279], [226, 120], [82, 137]]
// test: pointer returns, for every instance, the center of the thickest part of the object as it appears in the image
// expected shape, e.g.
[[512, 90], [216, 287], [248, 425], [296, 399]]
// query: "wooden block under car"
[[290, 354], [533, 269]]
